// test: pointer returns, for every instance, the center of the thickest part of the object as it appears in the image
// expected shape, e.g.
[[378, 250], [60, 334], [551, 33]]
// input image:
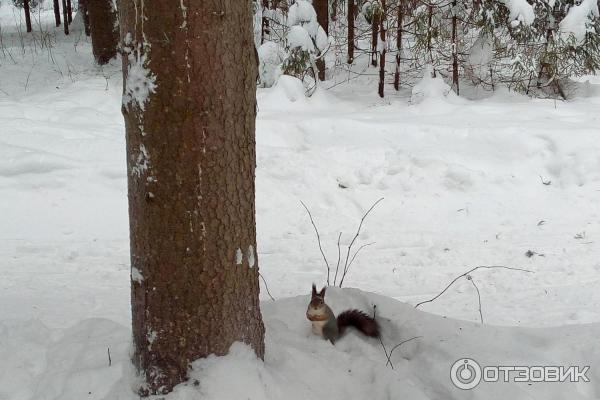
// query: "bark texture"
[[103, 27], [69, 11], [27, 15], [65, 17], [322, 9], [56, 8], [400, 22], [382, 32], [374, 36], [455, 49], [191, 163]]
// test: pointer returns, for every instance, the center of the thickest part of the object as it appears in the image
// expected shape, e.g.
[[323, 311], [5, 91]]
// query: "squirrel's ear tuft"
[[314, 290], [322, 292]]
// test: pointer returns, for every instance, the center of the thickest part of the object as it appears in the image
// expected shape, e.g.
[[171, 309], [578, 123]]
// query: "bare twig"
[[109, 359], [266, 286], [355, 254], [470, 279], [467, 273], [339, 257], [389, 357], [318, 239], [354, 239]]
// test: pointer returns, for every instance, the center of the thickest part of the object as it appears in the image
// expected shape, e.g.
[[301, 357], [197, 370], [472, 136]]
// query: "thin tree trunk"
[[65, 17], [56, 12], [83, 9], [399, 45], [454, 49], [350, 31], [265, 22], [383, 49], [105, 37], [69, 11], [374, 36], [190, 109], [429, 26], [322, 9], [27, 15]]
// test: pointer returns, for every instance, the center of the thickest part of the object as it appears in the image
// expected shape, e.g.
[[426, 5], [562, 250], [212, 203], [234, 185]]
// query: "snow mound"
[[270, 57], [429, 88], [288, 89], [299, 37], [520, 11], [577, 20], [73, 364]]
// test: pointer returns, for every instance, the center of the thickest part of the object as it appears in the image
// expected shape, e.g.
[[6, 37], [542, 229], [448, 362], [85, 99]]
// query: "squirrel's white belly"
[[317, 327]]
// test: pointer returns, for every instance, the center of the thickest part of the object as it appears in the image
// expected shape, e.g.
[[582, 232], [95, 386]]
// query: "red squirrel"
[[326, 325]]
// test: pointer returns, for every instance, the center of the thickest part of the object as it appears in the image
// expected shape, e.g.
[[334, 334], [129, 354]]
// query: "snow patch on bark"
[[136, 275], [251, 258], [140, 82], [142, 162], [151, 336], [238, 256]]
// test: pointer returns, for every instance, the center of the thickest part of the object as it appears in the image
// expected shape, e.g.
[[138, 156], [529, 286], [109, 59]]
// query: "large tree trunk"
[[190, 107], [383, 49], [350, 31], [27, 15], [105, 36], [56, 12], [65, 17], [86, 16], [322, 9]]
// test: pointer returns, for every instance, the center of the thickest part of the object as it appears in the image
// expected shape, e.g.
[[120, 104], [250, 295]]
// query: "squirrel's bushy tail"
[[360, 321]]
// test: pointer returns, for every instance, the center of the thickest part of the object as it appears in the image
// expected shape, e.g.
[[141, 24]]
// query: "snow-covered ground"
[[465, 183]]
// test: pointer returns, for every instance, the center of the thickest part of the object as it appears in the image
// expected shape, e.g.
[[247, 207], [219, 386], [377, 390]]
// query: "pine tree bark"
[[351, 7], [189, 109], [86, 16], [27, 12], [104, 33], [65, 17], [383, 50], [56, 12], [322, 9]]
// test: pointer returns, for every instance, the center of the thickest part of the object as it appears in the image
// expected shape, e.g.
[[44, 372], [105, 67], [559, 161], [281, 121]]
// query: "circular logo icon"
[[465, 373]]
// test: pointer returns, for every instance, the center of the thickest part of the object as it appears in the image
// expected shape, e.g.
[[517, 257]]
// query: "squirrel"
[[325, 324]]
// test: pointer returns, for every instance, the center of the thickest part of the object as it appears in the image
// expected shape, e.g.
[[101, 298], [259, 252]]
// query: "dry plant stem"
[[318, 239], [478, 297], [339, 257], [389, 356], [467, 273], [354, 256], [266, 286], [354, 239]]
